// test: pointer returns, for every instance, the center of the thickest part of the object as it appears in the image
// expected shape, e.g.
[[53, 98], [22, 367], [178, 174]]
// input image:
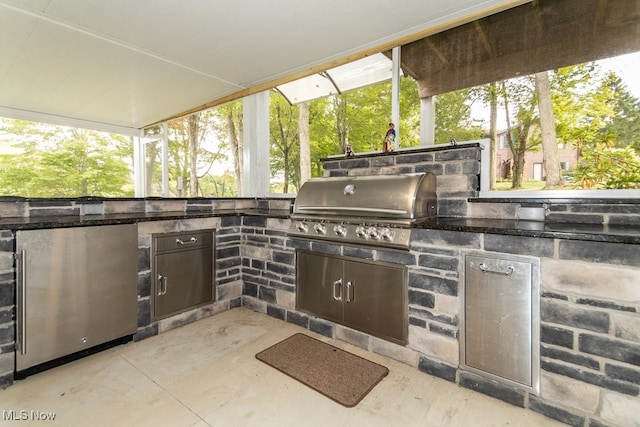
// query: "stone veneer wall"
[[268, 267], [228, 287], [590, 333], [456, 168], [586, 211], [51, 208], [7, 306], [229, 239]]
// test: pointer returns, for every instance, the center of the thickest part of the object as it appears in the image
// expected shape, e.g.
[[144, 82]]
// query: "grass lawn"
[[526, 185]]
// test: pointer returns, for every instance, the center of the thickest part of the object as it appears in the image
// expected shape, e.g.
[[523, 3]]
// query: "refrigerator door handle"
[[21, 273]]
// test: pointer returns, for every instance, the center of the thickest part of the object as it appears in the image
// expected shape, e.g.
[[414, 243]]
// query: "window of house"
[[503, 144]]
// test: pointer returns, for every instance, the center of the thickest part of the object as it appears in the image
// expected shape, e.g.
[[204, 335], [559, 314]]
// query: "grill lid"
[[405, 198]]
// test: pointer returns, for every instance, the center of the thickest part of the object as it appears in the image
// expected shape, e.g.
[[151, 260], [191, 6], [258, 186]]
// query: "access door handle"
[[507, 272], [162, 280], [191, 241], [351, 294], [337, 286]]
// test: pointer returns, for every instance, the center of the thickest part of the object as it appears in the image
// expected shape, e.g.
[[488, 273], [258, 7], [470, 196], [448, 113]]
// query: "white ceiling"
[[121, 65]]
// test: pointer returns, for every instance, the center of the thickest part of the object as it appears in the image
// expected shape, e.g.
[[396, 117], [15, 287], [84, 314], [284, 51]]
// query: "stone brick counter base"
[[7, 306], [590, 328]]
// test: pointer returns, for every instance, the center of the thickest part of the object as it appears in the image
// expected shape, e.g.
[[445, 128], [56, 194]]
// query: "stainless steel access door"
[[320, 285], [370, 296], [183, 269], [376, 299], [499, 319]]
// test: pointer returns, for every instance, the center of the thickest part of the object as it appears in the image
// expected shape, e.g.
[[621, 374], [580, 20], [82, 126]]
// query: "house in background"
[[533, 168]]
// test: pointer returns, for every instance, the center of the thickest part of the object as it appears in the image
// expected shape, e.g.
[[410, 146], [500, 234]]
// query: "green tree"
[[409, 113], [597, 114], [579, 111], [228, 128], [285, 146], [360, 118], [453, 117], [606, 131], [57, 161], [192, 151], [519, 95], [551, 162], [219, 185], [607, 167], [322, 138], [624, 126]]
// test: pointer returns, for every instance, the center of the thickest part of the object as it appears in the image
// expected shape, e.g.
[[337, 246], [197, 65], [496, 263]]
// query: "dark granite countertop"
[[32, 223], [587, 232], [590, 232]]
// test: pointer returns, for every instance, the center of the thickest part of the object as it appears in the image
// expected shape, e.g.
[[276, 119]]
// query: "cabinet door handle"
[[163, 285], [486, 269], [337, 285], [350, 291], [191, 241], [21, 265]]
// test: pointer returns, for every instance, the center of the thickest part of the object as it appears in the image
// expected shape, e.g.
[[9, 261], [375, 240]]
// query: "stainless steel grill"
[[373, 209]]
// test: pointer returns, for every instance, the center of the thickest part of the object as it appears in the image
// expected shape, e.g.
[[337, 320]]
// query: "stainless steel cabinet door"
[[320, 285], [184, 280], [183, 271], [365, 295], [498, 317], [375, 299]]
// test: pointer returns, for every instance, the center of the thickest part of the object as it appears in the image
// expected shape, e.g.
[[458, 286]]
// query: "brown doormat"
[[338, 374]]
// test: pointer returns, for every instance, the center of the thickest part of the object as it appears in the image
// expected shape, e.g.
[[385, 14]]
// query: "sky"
[[628, 68]]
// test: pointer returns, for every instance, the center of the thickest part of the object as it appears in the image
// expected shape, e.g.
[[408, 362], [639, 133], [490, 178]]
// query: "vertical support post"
[[139, 171], [255, 145], [165, 160], [428, 121], [395, 93]]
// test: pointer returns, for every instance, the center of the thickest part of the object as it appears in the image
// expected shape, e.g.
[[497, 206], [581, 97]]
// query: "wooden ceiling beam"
[[534, 37], [482, 33], [437, 51]]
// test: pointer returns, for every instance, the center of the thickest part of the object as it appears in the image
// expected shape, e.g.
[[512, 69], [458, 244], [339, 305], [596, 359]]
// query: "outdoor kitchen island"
[[588, 324]]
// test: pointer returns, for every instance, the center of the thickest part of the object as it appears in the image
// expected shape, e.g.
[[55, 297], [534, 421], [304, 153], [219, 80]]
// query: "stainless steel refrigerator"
[[76, 289]]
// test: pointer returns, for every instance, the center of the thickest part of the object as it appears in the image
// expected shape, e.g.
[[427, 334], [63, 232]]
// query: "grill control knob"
[[373, 233], [320, 228], [303, 227], [340, 230], [387, 234], [361, 232]]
